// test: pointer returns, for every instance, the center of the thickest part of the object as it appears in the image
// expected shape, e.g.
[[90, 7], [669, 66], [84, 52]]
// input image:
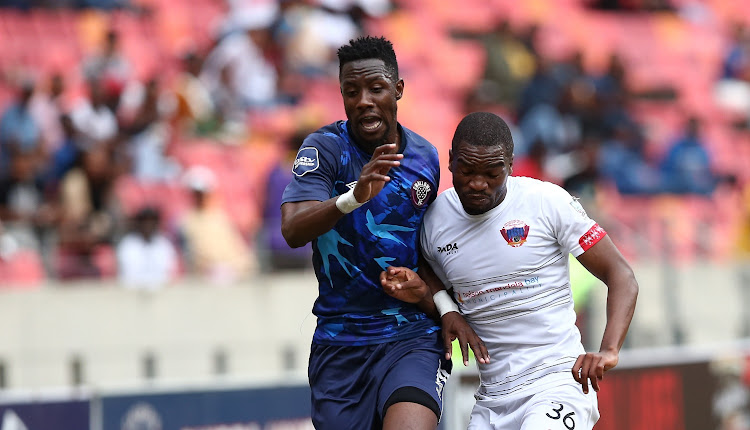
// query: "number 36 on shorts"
[[568, 419]]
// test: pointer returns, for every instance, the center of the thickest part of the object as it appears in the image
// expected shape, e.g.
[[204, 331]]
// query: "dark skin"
[[453, 324], [370, 94], [479, 177]]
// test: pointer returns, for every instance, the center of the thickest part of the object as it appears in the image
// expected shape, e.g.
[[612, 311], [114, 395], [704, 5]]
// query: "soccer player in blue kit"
[[359, 193]]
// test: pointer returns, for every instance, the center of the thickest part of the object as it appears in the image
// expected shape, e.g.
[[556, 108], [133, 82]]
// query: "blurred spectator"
[[65, 157], [28, 218], [570, 69], [88, 217], [622, 161], [108, 65], [195, 110], [311, 35], [46, 108], [243, 59], [94, 120], [686, 168], [272, 247], [582, 183], [560, 126], [145, 257], [230, 107], [19, 132], [510, 63], [541, 89], [213, 247], [143, 113], [736, 63], [733, 88], [613, 83]]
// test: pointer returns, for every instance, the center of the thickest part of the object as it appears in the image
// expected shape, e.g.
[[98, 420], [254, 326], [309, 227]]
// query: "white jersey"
[[509, 272]]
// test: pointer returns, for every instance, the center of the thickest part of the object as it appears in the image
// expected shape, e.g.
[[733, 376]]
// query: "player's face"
[[370, 96], [479, 176]]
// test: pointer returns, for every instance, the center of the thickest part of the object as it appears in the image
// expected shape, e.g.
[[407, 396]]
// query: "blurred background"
[[144, 146]]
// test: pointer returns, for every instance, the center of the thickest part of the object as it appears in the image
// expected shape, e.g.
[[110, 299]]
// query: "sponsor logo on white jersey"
[[449, 249]]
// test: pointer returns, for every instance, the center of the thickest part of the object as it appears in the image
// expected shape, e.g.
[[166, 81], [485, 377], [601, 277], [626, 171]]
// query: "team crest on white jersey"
[[421, 191], [515, 232]]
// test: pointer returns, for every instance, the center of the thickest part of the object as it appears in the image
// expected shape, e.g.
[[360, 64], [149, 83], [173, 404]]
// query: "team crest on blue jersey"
[[307, 161], [421, 191], [515, 232]]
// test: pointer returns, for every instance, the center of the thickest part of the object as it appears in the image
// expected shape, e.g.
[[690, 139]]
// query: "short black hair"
[[370, 47], [483, 129]]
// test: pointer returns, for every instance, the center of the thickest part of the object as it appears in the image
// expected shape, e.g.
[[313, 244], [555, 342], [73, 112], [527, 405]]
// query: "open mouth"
[[370, 124]]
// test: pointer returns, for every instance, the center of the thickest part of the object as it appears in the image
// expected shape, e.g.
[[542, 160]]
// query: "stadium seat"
[[22, 269]]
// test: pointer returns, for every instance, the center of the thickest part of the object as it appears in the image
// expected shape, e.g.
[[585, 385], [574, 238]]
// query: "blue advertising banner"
[[280, 408], [42, 415]]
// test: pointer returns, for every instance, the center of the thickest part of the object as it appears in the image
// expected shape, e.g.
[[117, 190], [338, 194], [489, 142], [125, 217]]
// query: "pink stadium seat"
[[23, 270]]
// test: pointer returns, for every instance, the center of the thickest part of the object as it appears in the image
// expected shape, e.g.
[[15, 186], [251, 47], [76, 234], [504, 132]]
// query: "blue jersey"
[[352, 308]]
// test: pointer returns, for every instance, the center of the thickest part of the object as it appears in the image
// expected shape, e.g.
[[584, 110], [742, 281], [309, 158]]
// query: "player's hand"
[[374, 174], [403, 284], [455, 327], [591, 367]]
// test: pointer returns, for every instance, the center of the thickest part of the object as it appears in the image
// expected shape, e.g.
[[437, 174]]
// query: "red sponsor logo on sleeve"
[[592, 236]]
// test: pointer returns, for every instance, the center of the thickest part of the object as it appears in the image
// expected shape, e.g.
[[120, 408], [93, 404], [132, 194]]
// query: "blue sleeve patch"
[[307, 161]]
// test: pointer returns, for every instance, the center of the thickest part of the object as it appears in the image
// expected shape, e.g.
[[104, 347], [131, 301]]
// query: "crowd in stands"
[[147, 171]]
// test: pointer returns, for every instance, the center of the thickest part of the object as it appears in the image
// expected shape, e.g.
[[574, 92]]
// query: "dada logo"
[[515, 232], [450, 248]]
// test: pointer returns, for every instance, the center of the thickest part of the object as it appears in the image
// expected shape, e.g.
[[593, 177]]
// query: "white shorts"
[[563, 407]]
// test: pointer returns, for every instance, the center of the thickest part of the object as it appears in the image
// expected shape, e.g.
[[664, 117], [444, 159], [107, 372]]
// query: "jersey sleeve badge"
[[307, 161]]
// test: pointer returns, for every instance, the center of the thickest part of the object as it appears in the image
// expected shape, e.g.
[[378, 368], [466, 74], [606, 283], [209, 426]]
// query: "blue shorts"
[[351, 384]]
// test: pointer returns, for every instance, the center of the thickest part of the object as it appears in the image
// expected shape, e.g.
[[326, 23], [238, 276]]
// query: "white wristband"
[[347, 202], [444, 303]]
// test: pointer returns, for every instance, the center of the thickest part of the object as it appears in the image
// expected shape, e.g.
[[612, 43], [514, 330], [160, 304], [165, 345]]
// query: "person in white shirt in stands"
[[501, 244], [146, 258]]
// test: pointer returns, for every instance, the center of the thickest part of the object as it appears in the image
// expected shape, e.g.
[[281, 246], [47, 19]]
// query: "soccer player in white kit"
[[501, 244]]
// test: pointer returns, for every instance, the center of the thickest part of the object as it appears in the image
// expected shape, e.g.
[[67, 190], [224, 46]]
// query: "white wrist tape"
[[347, 202], [444, 303]]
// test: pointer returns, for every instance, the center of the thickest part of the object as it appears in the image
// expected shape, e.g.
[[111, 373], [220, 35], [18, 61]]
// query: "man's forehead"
[[492, 154], [371, 68]]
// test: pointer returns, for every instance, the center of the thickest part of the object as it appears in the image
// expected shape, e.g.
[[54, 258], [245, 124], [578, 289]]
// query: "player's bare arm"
[[606, 262], [404, 284], [301, 222]]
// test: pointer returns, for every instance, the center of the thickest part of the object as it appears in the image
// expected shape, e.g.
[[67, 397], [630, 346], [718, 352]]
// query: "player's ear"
[[510, 166], [450, 160], [399, 89]]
